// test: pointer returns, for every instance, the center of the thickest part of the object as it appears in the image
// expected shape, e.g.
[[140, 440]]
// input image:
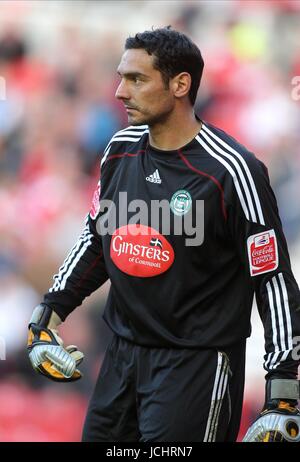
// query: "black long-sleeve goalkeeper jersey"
[[169, 289]]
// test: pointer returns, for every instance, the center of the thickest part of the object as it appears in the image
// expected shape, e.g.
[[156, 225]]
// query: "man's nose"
[[122, 91]]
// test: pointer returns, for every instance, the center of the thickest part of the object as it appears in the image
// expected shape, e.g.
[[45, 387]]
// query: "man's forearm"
[[82, 272]]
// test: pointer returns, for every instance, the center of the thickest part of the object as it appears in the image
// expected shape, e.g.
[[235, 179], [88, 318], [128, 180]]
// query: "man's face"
[[142, 89]]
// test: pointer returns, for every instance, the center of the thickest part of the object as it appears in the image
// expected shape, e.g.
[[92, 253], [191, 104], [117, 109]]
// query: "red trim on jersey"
[[212, 178], [87, 271], [129, 154]]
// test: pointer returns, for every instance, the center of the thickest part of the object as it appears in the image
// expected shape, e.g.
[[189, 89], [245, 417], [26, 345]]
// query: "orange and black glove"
[[279, 421], [46, 350]]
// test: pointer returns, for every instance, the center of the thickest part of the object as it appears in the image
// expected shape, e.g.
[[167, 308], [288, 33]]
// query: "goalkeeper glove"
[[47, 353], [279, 420]]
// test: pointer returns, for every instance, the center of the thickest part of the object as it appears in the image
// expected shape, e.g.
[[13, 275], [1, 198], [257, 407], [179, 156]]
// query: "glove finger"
[[272, 436], [47, 369], [77, 375], [71, 348], [274, 426], [77, 356], [75, 353], [63, 362], [36, 356]]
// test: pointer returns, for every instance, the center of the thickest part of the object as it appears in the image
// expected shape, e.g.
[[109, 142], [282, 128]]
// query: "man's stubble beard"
[[151, 119]]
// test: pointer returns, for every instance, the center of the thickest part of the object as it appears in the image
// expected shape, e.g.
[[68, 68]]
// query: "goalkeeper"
[[182, 281]]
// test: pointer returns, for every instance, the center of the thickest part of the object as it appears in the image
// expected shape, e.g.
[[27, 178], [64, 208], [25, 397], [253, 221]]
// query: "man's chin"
[[135, 121]]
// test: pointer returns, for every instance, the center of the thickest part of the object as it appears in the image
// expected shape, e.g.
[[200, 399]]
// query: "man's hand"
[[47, 353], [279, 421]]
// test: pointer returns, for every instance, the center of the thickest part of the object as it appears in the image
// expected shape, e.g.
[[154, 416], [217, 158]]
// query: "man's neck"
[[175, 132]]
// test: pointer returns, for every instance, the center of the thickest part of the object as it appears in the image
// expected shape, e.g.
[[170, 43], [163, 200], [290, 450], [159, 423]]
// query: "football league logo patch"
[[96, 202], [262, 252]]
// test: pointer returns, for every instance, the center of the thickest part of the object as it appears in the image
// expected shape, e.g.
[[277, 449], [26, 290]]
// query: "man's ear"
[[181, 84]]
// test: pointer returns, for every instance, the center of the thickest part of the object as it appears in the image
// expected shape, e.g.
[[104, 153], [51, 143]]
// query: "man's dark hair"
[[173, 53]]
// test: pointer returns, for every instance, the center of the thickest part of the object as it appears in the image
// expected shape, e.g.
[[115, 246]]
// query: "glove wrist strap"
[[284, 389], [45, 317]]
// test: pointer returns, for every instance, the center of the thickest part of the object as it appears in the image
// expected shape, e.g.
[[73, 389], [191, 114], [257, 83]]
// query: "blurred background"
[[58, 63]]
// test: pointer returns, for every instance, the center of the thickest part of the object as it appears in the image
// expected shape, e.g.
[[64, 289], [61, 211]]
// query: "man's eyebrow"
[[131, 74]]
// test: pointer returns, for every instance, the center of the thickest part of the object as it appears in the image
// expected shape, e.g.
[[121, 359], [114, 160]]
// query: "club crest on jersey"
[[181, 202], [141, 251], [262, 252]]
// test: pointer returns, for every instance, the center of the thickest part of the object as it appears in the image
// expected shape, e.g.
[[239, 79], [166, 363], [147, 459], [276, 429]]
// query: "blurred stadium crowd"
[[58, 61]]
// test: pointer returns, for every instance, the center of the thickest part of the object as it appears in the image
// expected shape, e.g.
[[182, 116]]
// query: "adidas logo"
[[154, 178]]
